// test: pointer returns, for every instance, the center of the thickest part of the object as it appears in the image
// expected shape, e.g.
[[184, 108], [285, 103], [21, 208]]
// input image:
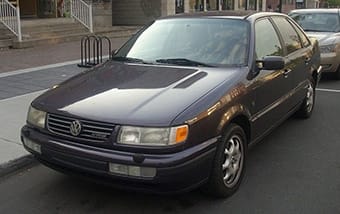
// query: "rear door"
[[298, 57]]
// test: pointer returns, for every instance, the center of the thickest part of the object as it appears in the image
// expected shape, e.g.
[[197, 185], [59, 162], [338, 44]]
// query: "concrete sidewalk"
[[17, 90], [15, 59], [13, 115]]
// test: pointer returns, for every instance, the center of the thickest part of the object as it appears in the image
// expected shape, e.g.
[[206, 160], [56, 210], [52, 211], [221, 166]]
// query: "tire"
[[337, 74], [308, 104], [229, 163]]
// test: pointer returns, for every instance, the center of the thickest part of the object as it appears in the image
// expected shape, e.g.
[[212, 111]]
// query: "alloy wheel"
[[233, 160], [310, 98]]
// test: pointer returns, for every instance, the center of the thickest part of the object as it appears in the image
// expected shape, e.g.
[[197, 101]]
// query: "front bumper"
[[330, 62], [175, 172]]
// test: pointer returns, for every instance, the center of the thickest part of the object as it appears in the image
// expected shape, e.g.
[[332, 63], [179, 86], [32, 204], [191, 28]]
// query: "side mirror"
[[271, 63]]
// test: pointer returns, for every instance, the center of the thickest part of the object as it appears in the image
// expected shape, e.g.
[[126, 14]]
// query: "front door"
[[271, 86], [28, 8]]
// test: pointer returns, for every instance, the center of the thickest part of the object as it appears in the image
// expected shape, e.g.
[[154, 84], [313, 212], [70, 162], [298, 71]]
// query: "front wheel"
[[229, 163], [337, 74], [307, 106]]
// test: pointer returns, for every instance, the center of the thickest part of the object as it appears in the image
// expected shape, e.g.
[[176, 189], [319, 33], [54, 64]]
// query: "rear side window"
[[290, 37], [304, 39], [267, 42]]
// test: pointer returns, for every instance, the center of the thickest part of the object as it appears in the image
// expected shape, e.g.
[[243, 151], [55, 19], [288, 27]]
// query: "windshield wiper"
[[314, 30], [129, 59], [183, 61]]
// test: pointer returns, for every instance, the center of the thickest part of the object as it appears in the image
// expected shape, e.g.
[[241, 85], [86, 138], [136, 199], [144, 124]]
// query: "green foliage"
[[333, 3]]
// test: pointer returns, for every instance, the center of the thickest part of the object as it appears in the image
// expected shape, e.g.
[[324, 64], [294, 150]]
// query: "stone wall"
[[102, 13], [129, 12], [135, 12]]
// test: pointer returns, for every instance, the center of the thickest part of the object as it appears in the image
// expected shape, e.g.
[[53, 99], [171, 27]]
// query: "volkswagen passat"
[[179, 103], [323, 24]]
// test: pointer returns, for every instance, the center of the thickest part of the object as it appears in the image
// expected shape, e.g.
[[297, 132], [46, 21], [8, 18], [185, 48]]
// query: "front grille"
[[91, 131]]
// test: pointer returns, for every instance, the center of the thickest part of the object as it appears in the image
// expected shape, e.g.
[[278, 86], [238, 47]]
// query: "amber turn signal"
[[182, 133]]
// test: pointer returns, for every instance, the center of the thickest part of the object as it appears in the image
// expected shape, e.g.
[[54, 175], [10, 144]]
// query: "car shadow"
[[327, 77], [86, 195]]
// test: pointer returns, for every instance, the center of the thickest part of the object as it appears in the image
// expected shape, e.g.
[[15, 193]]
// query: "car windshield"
[[189, 42], [318, 22]]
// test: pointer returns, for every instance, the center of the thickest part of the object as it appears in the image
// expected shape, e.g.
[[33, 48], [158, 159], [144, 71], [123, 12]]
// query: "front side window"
[[290, 38], [318, 22], [218, 42], [267, 42]]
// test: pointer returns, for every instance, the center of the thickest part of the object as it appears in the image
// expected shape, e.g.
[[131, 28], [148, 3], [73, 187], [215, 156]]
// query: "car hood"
[[324, 37], [132, 94]]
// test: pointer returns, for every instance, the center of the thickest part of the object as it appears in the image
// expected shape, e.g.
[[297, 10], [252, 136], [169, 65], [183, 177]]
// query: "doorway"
[[47, 9], [28, 8], [179, 6]]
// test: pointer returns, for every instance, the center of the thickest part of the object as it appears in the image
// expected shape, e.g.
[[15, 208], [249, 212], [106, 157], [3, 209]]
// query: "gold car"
[[323, 24]]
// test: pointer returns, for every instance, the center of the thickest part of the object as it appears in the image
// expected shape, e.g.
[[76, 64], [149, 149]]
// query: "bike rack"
[[91, 50]]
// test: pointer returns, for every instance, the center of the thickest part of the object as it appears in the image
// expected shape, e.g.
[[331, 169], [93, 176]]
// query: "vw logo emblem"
[[75, 128]]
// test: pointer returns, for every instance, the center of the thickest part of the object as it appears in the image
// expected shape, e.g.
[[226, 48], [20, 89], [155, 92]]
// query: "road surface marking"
[[34, 93], [328, 90], [27, 70]]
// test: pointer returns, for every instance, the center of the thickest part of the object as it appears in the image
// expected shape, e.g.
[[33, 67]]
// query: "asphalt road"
[[296, 169]]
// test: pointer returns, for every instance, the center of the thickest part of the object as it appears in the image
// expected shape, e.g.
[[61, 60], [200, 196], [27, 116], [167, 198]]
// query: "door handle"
[[307, 60], [286, 72]]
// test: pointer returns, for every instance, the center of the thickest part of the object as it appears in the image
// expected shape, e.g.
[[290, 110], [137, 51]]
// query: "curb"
[[17, 164]]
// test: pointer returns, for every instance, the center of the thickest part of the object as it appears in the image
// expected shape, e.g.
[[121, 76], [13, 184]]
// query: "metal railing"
[[10, 17], [82, 12]]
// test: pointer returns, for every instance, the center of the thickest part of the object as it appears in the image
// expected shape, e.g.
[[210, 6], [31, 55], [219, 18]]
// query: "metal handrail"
[[82, 12], [10, 17]]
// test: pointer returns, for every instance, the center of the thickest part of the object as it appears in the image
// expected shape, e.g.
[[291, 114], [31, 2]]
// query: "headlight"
[[36, 117], [327, 48], [153, 136]]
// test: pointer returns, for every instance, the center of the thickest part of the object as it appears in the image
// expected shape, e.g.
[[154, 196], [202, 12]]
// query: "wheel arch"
[[240, 118], [244, 123]]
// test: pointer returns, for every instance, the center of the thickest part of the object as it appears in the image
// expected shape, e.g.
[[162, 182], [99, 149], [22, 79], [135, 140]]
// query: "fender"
[[225, 116], [231, 113]]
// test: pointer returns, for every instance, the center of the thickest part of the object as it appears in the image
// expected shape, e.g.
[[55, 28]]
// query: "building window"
[[227, 4], [251, 5], [212, 4], [195, 5], [242, 4]]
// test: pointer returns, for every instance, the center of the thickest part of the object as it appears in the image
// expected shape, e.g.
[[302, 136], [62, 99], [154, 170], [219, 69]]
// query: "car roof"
[[224, 14], [316, 10]]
